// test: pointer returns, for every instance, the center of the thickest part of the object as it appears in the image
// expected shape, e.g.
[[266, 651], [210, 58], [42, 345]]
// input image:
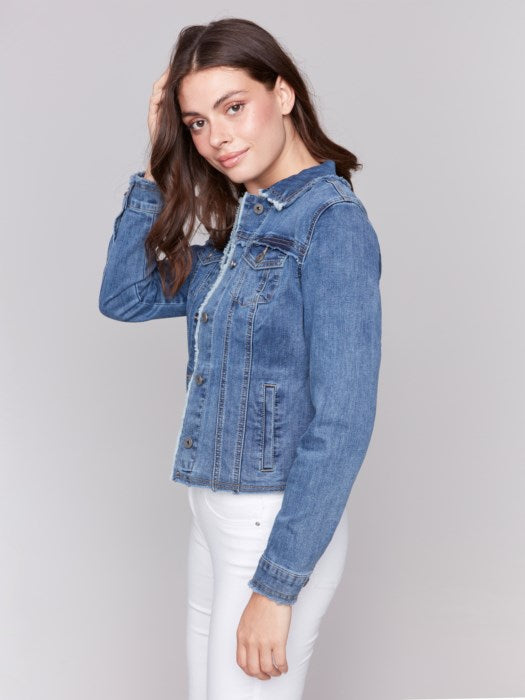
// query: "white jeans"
[[228, 534]]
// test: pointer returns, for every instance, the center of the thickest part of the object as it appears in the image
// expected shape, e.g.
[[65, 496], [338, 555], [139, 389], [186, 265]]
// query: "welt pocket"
[[267, 427]]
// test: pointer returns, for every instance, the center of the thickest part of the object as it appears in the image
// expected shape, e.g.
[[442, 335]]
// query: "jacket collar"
[[286, 190]]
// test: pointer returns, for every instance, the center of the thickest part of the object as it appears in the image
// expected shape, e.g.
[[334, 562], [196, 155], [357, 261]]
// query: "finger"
[[267, 662], [157, 93], [241, 656], [279, 656], [254, 664], [162, 80]]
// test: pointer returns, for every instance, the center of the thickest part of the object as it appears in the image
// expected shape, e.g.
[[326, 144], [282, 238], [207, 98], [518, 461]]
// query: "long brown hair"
[[192, 189]]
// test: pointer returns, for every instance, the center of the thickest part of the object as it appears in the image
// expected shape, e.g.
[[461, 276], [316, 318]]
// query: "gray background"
[[429, 95]]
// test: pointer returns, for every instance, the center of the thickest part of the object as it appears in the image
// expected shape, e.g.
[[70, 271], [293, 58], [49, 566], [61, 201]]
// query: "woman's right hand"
[[155, 104]]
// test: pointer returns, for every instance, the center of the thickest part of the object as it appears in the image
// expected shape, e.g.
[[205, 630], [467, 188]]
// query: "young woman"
[[284, 341]]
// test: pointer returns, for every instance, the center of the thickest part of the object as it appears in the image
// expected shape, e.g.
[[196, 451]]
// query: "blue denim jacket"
[[284, 346]]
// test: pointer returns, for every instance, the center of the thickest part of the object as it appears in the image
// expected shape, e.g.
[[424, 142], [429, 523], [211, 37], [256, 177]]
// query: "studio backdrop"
[[429, 96]]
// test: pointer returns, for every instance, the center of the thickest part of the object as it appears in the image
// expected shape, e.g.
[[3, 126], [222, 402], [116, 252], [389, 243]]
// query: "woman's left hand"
[[263, 631]]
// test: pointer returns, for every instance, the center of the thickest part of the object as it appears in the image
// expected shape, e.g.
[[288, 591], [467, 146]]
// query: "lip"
[[231, 159]]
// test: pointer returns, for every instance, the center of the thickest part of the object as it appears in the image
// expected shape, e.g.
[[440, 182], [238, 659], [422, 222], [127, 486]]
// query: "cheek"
[[263, 123], [201, 146]]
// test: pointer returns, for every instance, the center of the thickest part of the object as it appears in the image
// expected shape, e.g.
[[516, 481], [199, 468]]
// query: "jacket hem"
[[188, 480]]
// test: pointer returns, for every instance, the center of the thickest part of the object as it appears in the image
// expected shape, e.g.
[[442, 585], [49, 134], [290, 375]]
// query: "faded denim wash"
[[284, 348]]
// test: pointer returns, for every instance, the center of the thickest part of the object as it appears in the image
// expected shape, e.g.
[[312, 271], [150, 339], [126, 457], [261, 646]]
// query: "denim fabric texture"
[[284, 350]]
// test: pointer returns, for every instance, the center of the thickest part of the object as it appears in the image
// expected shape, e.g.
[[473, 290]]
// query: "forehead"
[[202, 88]]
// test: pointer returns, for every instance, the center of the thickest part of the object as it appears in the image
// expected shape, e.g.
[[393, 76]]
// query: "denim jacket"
[[284, 346]]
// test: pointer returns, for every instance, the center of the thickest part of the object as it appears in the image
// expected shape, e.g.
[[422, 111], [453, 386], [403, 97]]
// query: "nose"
[[218, 136]]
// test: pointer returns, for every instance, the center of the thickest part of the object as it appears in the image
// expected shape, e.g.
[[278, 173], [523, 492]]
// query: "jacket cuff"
[[277, 583], [146, 195]]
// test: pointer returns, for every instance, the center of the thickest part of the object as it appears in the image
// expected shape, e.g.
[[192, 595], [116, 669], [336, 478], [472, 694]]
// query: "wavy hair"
[[192, 189]]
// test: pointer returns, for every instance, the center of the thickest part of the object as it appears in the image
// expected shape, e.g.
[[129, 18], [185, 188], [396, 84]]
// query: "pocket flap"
[[208, 254], [260, 256]]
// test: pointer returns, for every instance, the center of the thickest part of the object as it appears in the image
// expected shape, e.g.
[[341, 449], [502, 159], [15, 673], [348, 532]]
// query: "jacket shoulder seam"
[[315, 218]]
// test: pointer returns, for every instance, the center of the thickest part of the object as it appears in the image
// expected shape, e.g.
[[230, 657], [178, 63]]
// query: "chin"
[[237, 178]]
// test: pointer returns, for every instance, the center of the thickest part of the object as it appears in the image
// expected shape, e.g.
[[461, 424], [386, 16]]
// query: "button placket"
[[202, 316]]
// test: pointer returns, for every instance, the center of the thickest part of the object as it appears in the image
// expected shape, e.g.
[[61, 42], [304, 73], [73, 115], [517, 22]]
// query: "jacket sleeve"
[[340, 276], [131, 290]]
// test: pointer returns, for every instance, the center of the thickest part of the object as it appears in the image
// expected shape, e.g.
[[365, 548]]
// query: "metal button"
[[188, 442], [199, 379], [258, 208], [261, 255], [233, 263], [196, 315], [204, 317]]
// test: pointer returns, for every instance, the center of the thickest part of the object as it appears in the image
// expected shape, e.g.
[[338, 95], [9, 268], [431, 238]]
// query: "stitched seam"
[[315, 218], [287, 571]]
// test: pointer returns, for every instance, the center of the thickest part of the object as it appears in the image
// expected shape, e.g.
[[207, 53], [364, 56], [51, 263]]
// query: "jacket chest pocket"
[[260, 273]]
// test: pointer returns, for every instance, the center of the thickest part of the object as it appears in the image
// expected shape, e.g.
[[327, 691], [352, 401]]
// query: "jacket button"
[[233, 263], [258, 208], [199, 379], [188, 442], [204, 317], [261, 255], [196, 315]]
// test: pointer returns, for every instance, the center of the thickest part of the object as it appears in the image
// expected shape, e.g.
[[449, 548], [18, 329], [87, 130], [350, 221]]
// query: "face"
[[230, 114]]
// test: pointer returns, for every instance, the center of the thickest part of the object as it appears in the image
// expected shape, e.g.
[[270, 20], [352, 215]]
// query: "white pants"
[[229, 532]]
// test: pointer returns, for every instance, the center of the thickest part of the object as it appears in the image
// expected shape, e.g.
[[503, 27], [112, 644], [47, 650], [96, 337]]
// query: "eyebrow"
[[216, 104]]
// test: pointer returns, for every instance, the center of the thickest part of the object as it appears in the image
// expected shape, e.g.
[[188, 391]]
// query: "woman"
[[284, 340]]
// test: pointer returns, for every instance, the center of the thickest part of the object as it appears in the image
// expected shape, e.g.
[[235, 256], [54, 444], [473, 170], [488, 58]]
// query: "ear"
[[285, 94]]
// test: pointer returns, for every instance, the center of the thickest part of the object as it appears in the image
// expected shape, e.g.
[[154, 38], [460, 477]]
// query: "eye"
[[191, 125], [237, 104]]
